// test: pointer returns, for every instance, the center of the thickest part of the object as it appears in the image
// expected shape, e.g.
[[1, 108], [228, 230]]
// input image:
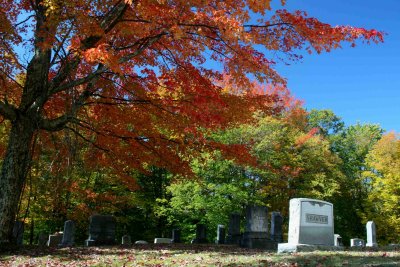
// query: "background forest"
[[294, 154]]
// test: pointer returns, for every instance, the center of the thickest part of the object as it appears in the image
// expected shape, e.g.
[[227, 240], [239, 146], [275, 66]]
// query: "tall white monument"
[[371, 234]]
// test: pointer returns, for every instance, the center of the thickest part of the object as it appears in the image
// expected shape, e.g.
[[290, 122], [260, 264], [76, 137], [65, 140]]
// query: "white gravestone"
[[310, 226], [371, 234], [338, 241], [311, 222]]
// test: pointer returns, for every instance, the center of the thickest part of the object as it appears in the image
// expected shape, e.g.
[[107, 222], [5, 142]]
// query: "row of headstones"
[[371, 237], [102, 231], [58, 239], [358, 242], [311, 224]]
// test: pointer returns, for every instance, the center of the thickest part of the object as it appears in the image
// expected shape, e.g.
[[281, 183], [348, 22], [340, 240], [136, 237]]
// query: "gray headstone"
[[141, 242], [54, 240], [357, 242], [42, 239], [101, 230], [18, 232], [126, 240], [234, 229], [220, 234], [161, 240], [338, 241], [256, 234], [201, 234], [68, 234], [371, 234], [276, 227], [310, 226], [257, 219], [310, 222], [176, 236]]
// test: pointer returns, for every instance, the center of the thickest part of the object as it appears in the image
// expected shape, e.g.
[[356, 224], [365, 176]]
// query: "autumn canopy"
[[135, 78]]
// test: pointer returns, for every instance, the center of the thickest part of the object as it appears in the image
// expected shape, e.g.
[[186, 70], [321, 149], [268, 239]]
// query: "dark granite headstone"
[[69, 234], [42, 239], [201, 234], [54, 240], [276, 227], [176, 236], [18, 232], [234, 229], [220, 234], [256, 232], [101, 231]]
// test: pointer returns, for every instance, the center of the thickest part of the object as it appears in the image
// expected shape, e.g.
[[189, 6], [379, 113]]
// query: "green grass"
[[192, 255]]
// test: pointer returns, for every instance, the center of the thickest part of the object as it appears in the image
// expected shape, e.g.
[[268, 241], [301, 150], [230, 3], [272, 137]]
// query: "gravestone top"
[[276, 226], [220, 234], [338, 241], [55, 240], [257, 219], [69, 234], [256, 234], [101, 230], [141, 242], [357, 242], [176, 235], [201, 234], [126, 240], [42, 239], [234, 224], [234, 235], [161, 240], [311, 222]]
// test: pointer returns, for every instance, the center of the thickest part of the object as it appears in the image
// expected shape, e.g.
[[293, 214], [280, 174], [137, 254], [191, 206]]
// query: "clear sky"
[[360, 84]]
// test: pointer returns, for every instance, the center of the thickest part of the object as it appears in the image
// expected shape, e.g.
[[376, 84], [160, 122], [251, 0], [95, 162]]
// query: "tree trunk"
[[13, 174]]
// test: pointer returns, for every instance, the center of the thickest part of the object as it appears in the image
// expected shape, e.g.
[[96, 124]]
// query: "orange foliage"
[[135, 78]]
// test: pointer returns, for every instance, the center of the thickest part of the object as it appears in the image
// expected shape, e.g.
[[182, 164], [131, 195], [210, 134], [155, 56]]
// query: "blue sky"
[[360, 84]]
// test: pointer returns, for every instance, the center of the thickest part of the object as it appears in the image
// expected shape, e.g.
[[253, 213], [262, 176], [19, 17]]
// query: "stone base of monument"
[[92, 243], [233, 239], [257, 240], [199, 241], [289, 248]]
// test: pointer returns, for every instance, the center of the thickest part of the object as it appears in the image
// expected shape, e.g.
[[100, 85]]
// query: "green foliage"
[[291, 163], [352, 145], [221, 188], [326, 121]]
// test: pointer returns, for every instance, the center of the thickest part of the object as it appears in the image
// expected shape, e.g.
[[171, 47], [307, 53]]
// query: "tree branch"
[[8, 111]]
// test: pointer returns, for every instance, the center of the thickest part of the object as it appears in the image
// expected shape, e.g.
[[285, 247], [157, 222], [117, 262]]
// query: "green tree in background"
[[293, 162], [352, 145], [384, 195], [326, 121]]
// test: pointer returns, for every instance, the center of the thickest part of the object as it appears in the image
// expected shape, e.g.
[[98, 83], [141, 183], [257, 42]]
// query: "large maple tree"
[[134, 77]]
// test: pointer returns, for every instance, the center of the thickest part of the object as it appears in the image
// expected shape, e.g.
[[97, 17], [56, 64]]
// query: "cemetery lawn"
[[192, 255]]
